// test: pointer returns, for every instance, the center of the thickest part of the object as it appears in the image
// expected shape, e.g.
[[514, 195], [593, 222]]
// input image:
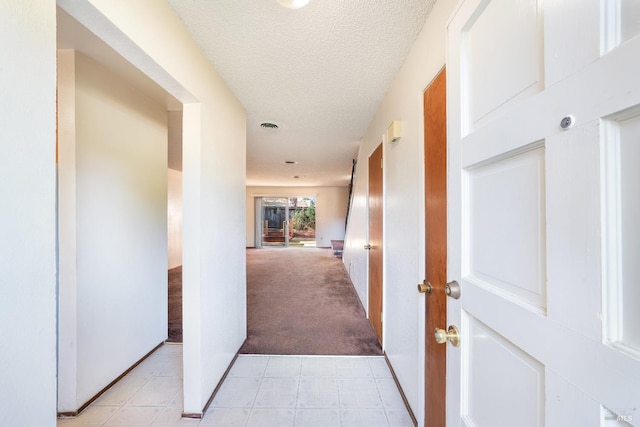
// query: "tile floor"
[[260, 391]]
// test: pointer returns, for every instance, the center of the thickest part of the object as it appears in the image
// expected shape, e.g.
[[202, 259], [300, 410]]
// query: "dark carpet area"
[[175, 305], [301, 301]]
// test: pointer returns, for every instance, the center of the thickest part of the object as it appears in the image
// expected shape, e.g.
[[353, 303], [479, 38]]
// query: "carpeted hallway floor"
[[175, 305], [300, 301]]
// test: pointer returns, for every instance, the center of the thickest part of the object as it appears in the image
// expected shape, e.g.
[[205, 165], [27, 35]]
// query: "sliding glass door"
[[275, 221], [287, 221], [302, 222]]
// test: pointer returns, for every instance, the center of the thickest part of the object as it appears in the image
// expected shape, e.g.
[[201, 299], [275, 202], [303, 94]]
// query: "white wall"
[[151, 37], [331, 209], [175, 140], [27, 216], [174, 217], [118, 249], [403, 307]]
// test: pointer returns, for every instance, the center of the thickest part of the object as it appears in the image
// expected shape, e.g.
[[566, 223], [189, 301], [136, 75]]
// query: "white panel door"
[[544, 213]]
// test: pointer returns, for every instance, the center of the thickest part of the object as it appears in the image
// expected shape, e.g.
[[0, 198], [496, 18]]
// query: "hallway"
[[302, 301], [259, 391]]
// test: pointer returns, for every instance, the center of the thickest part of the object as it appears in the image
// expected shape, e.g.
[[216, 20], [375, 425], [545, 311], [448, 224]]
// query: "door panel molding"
[[558, 207]]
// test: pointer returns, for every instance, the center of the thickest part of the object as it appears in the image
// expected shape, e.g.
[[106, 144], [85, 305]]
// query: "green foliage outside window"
[[305, 219]]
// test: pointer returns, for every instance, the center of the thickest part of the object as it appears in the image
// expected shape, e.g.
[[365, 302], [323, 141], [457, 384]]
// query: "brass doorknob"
[[425, 287], [450, 335]]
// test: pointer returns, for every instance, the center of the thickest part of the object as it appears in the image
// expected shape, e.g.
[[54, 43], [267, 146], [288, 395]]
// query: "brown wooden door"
[[435, 149], [375, 241]]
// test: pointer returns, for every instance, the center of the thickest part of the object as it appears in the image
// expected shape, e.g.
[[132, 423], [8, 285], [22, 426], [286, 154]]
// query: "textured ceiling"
[[319, 72]]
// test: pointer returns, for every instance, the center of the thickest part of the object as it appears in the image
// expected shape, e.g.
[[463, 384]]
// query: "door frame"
[[435, 196]]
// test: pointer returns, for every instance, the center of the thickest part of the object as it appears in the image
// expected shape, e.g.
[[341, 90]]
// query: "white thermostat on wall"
[[394, 132]]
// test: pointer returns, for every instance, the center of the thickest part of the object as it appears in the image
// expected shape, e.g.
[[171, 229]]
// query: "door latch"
[[425, 287]]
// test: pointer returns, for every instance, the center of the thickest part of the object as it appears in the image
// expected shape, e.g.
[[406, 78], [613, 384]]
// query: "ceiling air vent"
[[269, 125]]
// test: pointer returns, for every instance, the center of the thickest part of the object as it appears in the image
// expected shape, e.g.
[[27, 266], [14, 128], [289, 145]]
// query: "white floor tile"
[[277, 393], [389, 393], [316, 399], [379, 367], [148, 368], [159, 358], [318, 367], [353, 367], [283, 366], [173, 368], [399, 418], [227, 417], [72, 422], [237, 393], [318, 393], [325, 385], [133, 416], [120, 392], [357, 393], [357, 400], [317, 418], [249, 366], [157, 391], [271, 417], [364, 418], [169, 348], [177, 401], [357, 385], [260, 391], [172, 417], [186, 422], [285, 385], [92, 416]]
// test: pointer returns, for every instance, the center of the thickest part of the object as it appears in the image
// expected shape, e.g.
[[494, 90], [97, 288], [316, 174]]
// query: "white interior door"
[[544, 222]]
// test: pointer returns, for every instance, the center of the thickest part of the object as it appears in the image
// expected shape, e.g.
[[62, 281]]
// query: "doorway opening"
[[112, 192], [174, 227], [288, 221]]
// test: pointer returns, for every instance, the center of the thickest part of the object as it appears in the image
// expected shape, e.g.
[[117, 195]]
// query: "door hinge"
[[381, 162], [381, 321]]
